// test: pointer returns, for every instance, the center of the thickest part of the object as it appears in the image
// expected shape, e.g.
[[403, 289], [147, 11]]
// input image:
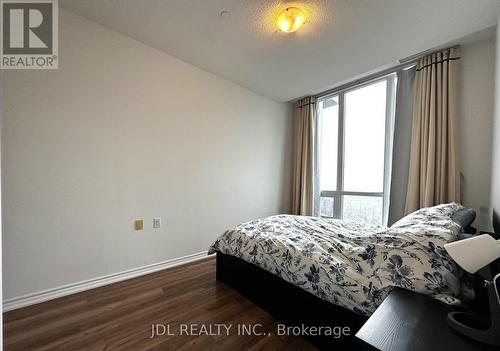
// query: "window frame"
[[339, 193]]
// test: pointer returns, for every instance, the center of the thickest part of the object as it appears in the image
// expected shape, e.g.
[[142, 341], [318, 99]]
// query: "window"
[[353, 151]]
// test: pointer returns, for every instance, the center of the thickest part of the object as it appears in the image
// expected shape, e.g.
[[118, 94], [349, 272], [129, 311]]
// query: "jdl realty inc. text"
[[158, 330]]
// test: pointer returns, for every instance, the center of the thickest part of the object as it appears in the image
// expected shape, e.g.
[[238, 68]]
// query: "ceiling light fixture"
[[290, 20]]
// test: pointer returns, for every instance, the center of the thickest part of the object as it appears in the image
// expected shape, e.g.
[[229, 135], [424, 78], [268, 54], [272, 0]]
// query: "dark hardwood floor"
[[119, 316]]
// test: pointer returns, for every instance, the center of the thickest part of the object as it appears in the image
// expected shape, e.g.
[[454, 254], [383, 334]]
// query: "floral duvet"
[[352, 264]]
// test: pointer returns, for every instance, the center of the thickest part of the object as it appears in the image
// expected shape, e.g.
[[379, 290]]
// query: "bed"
[[315, 271]]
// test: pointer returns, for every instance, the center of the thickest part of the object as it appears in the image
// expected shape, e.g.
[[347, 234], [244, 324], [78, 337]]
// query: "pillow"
[[464, 217], [442, 212]]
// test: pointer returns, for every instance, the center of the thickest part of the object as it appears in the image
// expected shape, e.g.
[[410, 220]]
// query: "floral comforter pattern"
[[351, 264]]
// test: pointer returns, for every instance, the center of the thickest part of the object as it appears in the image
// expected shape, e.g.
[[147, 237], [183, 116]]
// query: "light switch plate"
[[139, 224], [156, 222]]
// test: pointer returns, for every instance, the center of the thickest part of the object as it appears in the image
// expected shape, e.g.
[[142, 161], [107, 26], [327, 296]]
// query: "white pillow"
[[437, 213]]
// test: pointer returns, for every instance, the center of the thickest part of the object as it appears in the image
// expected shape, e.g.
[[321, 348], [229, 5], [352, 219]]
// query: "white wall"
[[1, 234], [495, 173], [477, 102], [123, 131]]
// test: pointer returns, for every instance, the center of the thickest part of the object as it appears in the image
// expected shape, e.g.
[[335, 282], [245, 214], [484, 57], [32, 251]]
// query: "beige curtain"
[[303, 170], [434, 175]]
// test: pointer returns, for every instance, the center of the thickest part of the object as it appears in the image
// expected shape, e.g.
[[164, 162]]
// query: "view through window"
[[354, 152]]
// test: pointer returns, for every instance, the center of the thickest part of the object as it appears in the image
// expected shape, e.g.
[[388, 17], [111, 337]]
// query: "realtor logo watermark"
[[29, 38]]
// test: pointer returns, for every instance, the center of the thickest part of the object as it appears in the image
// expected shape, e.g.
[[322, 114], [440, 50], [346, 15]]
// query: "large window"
[[354, 152]]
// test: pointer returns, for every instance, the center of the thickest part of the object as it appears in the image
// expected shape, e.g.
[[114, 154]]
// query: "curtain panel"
[[401, 143], [434, 175], [303, 165]]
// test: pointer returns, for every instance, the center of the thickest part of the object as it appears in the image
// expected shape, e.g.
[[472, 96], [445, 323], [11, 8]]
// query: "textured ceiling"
[[341, 39]]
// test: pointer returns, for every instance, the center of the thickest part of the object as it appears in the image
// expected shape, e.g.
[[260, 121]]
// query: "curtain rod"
[[406, 62], [422, 54]]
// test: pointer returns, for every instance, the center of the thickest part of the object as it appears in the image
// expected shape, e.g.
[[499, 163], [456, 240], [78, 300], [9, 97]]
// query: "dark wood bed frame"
[[290, 304], [294, 306]]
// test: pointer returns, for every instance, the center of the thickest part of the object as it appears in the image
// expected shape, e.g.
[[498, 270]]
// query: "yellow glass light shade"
[[290, 20]]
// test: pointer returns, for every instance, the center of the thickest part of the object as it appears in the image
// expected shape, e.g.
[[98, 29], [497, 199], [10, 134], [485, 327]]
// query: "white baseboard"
[[50, 294]]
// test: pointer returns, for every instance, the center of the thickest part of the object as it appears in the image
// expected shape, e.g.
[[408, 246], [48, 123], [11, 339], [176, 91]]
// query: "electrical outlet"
[[139, 224], [156, 222]]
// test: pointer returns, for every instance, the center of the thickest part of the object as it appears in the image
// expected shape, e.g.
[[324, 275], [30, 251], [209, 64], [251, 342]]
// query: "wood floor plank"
[[119, 316]]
